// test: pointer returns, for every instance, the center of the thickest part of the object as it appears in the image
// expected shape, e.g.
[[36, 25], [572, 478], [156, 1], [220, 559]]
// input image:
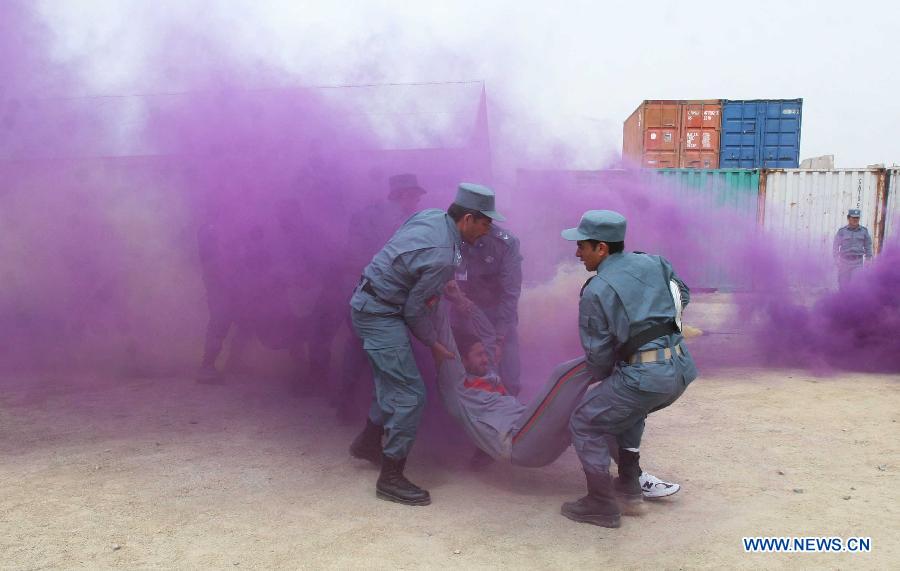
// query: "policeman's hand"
[[441, 353], [452, 290], [455, 294], [498, 348]]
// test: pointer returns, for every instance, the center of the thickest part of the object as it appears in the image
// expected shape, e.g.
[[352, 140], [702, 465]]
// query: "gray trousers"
[[399, 388], [613, 409], [542, 431], [846, 271]]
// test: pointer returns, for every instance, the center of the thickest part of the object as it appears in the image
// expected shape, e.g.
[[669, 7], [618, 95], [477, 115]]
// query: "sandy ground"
[[163, 473]]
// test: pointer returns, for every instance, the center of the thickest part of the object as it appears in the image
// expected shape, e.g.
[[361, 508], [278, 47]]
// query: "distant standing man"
[[397, 294], [492, 279], [852, 244], [218, 263], [629, 319]]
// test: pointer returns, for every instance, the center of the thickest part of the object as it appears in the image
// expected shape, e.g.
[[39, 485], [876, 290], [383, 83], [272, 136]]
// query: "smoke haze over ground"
[[103, 197]]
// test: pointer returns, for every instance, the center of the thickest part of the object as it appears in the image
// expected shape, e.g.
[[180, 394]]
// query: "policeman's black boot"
[[394, 487], [367, 444], [628, 483], [599, 506]]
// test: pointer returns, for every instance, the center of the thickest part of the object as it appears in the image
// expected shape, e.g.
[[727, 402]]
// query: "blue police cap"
[[477, 197], [602, 225]]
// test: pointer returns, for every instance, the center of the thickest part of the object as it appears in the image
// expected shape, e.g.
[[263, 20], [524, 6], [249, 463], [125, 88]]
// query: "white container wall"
[[892, 213], [805, 208]]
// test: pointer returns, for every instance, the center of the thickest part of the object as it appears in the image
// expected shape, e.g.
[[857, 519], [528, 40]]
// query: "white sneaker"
[[654, 488]]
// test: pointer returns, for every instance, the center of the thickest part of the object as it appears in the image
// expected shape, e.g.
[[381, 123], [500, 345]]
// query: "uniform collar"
[[454, 231], [610, 260]]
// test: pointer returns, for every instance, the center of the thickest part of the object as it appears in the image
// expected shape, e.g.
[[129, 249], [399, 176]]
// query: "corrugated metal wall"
[[804, 208], [892, 212], [736, 190]]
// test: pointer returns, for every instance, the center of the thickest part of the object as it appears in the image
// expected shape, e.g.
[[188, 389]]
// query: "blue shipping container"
[[760, 133]]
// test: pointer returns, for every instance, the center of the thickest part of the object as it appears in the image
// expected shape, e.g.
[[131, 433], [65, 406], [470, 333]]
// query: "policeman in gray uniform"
[[398, 293], [369, 229], [491, 278], [629, 319], [852, 244]]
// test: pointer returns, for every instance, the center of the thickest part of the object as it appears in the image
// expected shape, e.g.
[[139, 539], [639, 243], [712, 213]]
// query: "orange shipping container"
[[674, 134]]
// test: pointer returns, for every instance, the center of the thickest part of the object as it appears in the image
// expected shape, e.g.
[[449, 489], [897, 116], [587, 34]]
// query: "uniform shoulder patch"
[[501, 234]]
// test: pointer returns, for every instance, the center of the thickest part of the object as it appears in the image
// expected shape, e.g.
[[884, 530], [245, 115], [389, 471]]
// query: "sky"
[[562, 74]]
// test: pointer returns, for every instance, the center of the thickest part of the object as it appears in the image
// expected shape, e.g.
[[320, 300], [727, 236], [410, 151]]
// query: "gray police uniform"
[[398, 290], [630, 293], [369, 228], [851, 246], [492, 279]]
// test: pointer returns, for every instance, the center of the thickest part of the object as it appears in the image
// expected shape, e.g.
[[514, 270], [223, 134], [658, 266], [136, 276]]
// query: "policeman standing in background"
[[491, 277], [397, 294], [629, 320], [219, 266], [852, 244]]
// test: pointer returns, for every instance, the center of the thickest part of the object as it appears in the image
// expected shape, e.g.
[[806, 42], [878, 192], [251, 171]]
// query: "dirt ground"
[[99, 472]]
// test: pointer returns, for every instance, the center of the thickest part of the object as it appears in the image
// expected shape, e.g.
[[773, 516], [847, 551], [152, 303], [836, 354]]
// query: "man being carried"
[[491, 278], [528, 435]]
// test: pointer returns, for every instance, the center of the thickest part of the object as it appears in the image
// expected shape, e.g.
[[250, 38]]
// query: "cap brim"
[[574, 235], [493, 215]]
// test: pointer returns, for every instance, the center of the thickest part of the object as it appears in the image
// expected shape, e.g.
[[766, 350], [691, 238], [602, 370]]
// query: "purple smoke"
[[103, 199]]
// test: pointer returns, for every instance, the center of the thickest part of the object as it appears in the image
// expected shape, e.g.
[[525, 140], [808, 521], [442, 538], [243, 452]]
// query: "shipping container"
[[892, 211], [673, 134], [761, 133], [803, 209], [734, 191]]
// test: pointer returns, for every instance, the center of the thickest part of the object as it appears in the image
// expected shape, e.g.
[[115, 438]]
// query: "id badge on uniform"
[[461, 272]]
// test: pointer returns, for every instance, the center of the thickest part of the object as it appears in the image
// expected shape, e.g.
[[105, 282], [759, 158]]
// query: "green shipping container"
[[734, 189]]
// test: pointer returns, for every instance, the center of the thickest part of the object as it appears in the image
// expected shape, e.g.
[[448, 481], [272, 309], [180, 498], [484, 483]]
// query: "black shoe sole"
[[601, 520], [660, 498], [390, 498]]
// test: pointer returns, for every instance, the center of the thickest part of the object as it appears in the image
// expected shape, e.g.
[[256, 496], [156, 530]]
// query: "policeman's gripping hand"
[[458, 298], [441, 353]]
